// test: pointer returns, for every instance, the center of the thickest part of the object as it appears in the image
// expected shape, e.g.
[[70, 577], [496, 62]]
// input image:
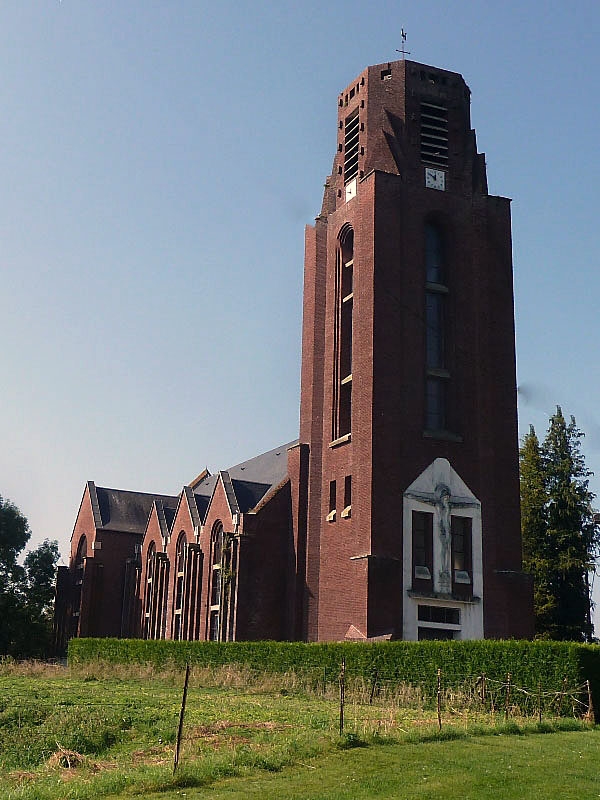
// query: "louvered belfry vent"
[[351, 129], [434, 134]]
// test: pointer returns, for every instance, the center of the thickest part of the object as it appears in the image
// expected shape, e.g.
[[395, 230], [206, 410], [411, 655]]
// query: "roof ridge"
[[230, 492], [98, 523]]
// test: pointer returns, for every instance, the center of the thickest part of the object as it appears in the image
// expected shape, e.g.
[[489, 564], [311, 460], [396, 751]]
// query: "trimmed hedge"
[[530, 663]]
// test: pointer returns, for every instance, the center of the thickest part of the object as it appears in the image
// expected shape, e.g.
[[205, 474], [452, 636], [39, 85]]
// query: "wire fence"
[[352, 702]]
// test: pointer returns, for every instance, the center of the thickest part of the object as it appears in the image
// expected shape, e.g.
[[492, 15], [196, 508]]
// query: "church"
[[395, 513]]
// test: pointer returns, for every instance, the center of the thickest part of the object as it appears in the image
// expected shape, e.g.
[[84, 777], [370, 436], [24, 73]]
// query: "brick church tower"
[[396, 513], [408, 401]]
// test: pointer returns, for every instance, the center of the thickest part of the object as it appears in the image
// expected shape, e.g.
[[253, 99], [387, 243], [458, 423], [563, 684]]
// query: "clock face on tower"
[[435, 179]]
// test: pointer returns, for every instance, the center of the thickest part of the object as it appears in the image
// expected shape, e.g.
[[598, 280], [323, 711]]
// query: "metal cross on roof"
[[403, 50]]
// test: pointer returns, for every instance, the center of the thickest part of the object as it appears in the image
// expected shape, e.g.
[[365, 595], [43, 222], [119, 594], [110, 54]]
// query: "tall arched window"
[[436, 292], [148, 593], [222, 584], [179, 587], [342, 366], [157, 590], [78, 567], [216, 582]]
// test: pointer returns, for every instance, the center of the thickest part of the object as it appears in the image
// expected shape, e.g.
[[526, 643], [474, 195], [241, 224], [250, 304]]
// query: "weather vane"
[[403, 50]]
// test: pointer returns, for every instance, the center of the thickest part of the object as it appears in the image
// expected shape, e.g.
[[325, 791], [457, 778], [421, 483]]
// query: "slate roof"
[[250, 480], [246, 484], [128, 511]]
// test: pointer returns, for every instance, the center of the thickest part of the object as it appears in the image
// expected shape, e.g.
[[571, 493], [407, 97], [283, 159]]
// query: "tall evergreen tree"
[[538, 554], [560, 539]]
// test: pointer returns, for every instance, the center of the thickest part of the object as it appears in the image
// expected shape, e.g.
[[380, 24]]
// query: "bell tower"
[[408, 396]]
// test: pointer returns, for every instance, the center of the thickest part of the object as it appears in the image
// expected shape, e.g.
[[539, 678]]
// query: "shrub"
[[552, 665]]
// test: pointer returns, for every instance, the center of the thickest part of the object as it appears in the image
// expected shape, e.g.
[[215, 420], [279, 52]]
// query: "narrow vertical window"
[[148, 593], [422, 550], [220, 622], [216, 587], [462, 558], [351, 131], [78, 566], [436, 291], [434, 258], [332, 501], [179, 587], [434, 320], [347, 512], [342, 367]]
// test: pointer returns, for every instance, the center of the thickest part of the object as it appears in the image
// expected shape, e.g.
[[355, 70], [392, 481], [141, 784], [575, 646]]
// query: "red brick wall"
[[265, 548], [181, 524], [388, 449]]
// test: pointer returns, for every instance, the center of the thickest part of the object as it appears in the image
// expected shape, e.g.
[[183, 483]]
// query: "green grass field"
[[563, 765], [103, 732]]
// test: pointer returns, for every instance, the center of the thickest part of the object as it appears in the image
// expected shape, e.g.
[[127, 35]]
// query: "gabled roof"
[[192, 505], [246, 483], [249, 493], [202, 504], [165, 515], [125, 511]]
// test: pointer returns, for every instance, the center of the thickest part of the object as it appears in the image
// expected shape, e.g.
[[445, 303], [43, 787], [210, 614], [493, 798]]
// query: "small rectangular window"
[[439, 615], [422, 550], [347, 512], [215, 592], [213, 633], [462, 558], [332, 501]]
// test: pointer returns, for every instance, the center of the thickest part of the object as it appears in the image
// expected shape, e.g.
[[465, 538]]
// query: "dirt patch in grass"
[[22, 776], [219, 733], [201, 731], [153, 755]]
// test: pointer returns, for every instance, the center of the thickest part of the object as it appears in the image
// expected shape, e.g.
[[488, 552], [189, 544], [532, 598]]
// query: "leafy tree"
[[560, 539], [27, 590], [40, 574], [14, 535]]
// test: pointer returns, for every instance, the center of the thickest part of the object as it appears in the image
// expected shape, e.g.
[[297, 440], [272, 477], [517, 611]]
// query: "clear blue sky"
[[159, 160]]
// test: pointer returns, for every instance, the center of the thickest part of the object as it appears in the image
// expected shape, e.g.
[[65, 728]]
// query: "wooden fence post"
[[342, 694], [507, 698], [439, 698], [482, 689], [181, 715], [373, 687], [539, 701]]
